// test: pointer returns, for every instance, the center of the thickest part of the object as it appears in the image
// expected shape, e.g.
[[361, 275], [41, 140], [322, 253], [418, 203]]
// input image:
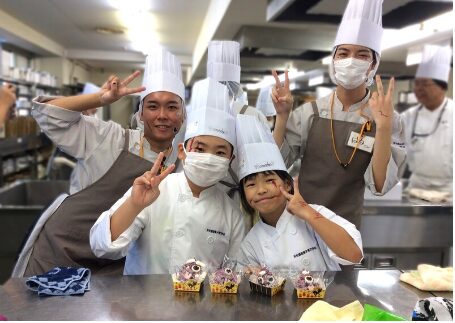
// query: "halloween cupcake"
[[266, 282], [190, 276], [309, 285]]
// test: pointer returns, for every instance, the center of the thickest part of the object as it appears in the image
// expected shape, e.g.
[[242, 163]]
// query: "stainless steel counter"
[[403, 234], [152, 298]]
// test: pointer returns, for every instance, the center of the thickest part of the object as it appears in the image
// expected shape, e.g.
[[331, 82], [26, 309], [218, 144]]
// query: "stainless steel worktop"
[[152, 298]]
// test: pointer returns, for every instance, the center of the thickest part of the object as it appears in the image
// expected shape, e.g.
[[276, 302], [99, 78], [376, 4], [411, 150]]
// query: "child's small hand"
[[146, 187], [296, 204]]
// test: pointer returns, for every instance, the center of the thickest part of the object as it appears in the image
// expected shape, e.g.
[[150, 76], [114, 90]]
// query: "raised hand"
[[381, 104], [296, 204], [114, 89], [145, 188], [7, 101], [281, 95]]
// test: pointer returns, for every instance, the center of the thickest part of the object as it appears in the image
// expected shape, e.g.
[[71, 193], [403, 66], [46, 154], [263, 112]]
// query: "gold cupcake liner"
[[190, 285], [315, 293], [269, 291]]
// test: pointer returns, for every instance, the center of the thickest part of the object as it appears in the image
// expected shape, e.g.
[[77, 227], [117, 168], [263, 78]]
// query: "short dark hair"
[[284, 175], [441, 84], [185, 144]]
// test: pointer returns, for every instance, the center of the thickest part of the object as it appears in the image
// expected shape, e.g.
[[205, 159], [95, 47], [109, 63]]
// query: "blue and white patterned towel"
[[61, 281]]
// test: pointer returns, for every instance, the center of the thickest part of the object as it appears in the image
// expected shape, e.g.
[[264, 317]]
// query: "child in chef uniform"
[[290, 232]]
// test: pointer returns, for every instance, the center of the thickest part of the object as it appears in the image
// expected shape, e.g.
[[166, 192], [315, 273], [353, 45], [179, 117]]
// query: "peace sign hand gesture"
[[296, 204], [382, 105], [146, 187], [281, 95], [114, 89]]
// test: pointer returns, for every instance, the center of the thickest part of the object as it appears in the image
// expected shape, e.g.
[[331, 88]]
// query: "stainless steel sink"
[[21, 204]]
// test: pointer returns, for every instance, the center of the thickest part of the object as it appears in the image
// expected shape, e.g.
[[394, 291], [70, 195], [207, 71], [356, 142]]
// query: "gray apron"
[[322, 180], [64, 238]]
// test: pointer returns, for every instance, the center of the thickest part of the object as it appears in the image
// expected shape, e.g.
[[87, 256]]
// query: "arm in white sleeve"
[[397, 160], [100, 233], [297, 128], [347, 226], [74, 133]]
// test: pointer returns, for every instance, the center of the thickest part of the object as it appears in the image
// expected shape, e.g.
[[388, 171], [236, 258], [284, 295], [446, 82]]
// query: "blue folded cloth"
[[433, 309], [61, 281]]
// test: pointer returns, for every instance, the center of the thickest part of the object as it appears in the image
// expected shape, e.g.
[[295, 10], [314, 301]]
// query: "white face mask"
[[351, 72], [205, 169]]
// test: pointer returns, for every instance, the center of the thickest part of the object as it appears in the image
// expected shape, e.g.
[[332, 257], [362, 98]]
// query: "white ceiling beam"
[[23, 35]]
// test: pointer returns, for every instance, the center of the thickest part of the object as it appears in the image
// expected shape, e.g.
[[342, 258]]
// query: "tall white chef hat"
[[257, 150], [264, 102], [223, 61], [90, 88], [361, 24], [435, 63], [162, 72], [210, 113]]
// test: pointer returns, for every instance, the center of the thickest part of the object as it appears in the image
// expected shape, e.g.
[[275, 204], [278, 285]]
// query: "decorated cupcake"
[[190, 276], [224, 280], [309, 285], [266, 282]]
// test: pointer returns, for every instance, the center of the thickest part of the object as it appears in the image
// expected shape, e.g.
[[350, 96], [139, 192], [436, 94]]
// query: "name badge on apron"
[[366, 142]]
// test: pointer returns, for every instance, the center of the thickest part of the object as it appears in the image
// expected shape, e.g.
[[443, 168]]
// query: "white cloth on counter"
[[176, 227], [430, 158], [293, 244], [430, 196], [430, 278], [95, 143], [301, 119]]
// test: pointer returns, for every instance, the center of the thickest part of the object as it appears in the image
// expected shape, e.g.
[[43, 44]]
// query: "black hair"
[[441, 84], [232, 147], [284, 175]]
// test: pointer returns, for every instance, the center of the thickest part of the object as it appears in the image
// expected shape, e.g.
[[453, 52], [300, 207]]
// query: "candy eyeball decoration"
[[265, 281], [309, 285], [192, 269], [265, 278]]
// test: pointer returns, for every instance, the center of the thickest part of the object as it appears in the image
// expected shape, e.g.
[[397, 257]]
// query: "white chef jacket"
[[174, 228], [293, 244], [301, 119], [430, 158], [95, 143]]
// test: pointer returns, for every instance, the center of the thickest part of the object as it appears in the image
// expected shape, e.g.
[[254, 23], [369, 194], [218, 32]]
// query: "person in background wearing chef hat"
[[113, 157], [352, 136], [223, 65], [165, 219], [265, 105], [429, 125], [291, 234]]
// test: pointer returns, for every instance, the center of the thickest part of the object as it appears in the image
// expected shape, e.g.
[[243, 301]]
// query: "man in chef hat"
[[265, 105], [113, 157], [429, 125], [223, 65], [163, 220], [325, 132]]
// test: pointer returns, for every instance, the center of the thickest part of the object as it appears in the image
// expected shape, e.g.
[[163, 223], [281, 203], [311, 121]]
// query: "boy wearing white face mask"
[[165, 219], [351, 137]]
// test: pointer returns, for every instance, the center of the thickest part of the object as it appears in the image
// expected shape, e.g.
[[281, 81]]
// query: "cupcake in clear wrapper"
[[190, 276], [224, 280], [309, 284], [266, 282]]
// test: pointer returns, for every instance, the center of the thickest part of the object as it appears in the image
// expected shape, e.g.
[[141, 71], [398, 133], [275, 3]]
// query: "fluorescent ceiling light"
[[270, 80], [414, 56], [316, 80]]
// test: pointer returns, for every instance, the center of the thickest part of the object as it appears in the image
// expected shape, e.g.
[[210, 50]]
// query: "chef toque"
[[162, 73], [90, 88], [361, 25], [223, 61], [257, 150], [264, 102], [210, 113], [435, 63]]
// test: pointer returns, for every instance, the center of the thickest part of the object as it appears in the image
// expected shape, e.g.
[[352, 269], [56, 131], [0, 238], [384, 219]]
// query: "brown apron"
[[322, 180], [64, 239]]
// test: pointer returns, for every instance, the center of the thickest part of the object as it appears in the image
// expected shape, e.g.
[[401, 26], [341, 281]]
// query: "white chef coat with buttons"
[[95, 143], [174, 228], [293, 244], [301, 119], [430, 157]]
